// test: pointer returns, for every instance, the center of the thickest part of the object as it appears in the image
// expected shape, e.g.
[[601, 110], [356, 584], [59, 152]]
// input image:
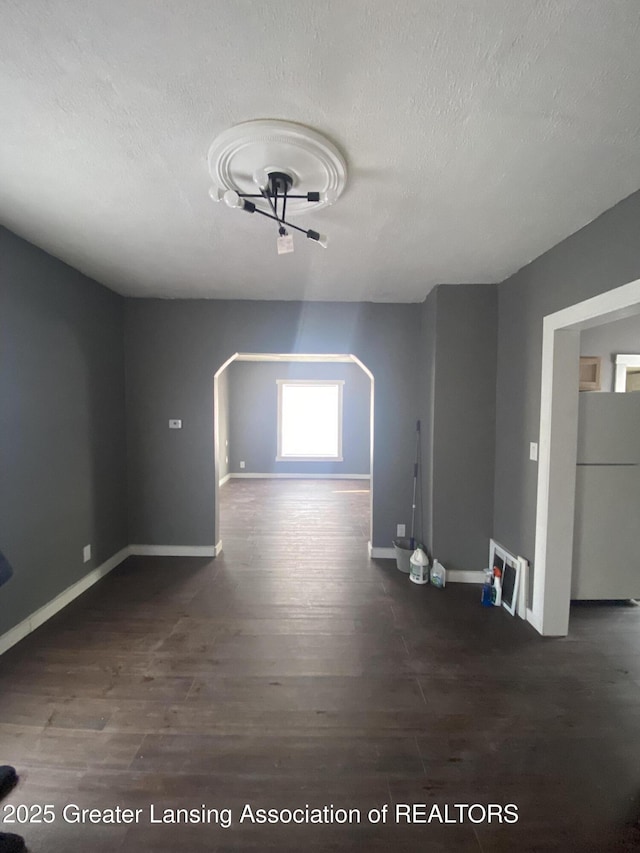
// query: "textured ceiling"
[[478, 135]]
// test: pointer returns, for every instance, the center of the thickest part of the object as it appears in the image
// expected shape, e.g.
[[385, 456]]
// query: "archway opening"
[[257, 418], [553, 559]]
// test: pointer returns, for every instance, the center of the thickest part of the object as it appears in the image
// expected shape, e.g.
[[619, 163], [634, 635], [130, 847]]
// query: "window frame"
[[624, 361], [339, 383]]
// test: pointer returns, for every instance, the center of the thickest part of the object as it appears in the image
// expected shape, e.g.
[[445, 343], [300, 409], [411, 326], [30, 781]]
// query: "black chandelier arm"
[[251, 208], [266, 194], [315, 196]]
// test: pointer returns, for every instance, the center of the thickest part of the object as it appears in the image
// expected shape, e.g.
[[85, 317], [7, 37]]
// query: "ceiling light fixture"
[[277, 169]]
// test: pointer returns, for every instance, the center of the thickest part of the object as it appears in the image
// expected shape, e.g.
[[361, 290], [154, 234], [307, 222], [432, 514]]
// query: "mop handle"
[[415, 480]]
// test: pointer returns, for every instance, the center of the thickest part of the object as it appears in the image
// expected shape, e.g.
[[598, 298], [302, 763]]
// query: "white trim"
[[218, 548], [622, 362], [320, 357], [309, 459], [301, 357], [40, 616], [312, 382], [285, 476], [531, 618], [523, 590], [549, 612], [453, 576], [380, 553], [224, 480], [462, 576], [173, 550]]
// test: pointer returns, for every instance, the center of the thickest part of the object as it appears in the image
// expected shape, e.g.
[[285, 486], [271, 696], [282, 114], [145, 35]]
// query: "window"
[[310, 420]]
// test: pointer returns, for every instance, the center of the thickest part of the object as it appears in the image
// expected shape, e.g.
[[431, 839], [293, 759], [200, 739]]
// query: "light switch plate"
[[533, 451], [400, 529]]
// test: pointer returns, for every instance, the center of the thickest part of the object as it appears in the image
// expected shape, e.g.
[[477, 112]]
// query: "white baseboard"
[[174, 550], [280, 476], [453, 575], [380, 553], [40, 616], [224, 480], [44, 613], [461, 576]]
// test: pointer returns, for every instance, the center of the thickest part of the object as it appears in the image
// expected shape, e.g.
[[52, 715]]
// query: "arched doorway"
[[287, 359]]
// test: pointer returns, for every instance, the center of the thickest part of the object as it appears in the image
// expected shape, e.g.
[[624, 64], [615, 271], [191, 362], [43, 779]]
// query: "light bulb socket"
[[321, 239]]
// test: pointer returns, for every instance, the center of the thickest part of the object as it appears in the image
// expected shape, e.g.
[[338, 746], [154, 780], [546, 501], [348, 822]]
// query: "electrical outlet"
[[86, 553], [401, 529], [242, 463], [175, 423], [533, 451]]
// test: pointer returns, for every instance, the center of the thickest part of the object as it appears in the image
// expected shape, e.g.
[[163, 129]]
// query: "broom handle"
[[415, 481]]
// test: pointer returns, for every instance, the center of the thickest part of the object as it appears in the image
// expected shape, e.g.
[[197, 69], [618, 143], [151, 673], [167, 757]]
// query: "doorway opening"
[[264, 423], [553, 558]]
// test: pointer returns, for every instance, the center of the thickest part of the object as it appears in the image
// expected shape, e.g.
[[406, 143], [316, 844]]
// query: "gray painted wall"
[[622, 336], [253, 415], [460, 425], [603, 255], [609, 429], [62, 426], [173, 349]]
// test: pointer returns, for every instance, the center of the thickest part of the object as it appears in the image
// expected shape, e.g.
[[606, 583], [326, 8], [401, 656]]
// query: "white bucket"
[[403, 550], [419, 567]]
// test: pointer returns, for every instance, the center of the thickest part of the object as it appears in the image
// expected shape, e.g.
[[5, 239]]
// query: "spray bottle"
[[486, 599]]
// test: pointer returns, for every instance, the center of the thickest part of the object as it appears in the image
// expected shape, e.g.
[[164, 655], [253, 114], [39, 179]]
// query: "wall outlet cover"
[[242, 463], [175, 423], [86, 553], [401, 529], [533, 451]]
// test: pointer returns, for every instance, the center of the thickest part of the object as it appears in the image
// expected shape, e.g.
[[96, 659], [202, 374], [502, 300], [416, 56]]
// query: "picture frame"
[[590, 372], [510, 568]]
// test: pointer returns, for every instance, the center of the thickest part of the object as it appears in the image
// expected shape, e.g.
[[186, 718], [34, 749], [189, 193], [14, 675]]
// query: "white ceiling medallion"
[[277, 169]]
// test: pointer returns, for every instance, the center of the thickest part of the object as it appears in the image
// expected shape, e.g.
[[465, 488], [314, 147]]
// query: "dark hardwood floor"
[[291, 670]]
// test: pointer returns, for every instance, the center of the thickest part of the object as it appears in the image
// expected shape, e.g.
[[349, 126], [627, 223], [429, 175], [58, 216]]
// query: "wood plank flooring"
[[293, 671]]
